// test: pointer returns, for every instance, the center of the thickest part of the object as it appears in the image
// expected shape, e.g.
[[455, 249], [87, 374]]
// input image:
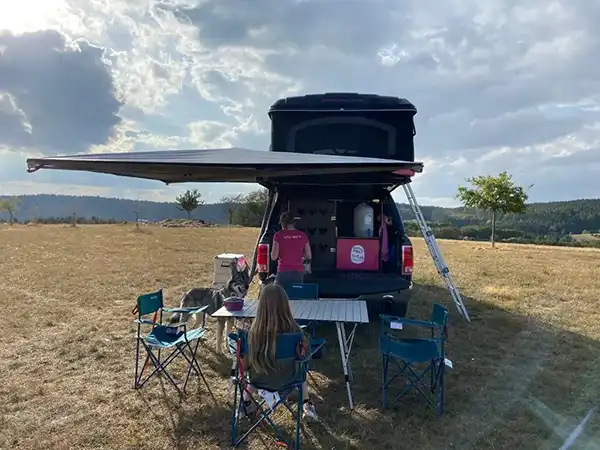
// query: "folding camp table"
[[339, 311]]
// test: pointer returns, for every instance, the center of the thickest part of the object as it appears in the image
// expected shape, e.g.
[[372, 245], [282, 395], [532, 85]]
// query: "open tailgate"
[[220, 165]]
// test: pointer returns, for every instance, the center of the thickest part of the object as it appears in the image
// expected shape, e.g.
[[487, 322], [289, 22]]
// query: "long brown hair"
[[273, 317]]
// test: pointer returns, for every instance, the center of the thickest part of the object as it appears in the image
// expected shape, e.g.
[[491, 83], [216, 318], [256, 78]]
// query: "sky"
[[499, 85]]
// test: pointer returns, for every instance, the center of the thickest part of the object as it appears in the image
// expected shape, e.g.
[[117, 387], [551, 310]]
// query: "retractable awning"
[[219, 165]]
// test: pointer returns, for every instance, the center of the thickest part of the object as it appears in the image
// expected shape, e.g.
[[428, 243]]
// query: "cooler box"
[[223, 270], [357, 254]]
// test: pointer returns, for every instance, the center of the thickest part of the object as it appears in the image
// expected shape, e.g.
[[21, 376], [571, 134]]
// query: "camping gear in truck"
[[357, 254], [364, 221]]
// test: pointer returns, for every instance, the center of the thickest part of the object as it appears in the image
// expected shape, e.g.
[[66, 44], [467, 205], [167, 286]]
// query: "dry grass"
[[526, 368]]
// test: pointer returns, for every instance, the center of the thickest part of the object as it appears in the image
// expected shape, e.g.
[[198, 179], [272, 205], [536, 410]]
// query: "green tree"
[[494, 194], [252, 208], [189, 201], [9, 205], [232, 203]]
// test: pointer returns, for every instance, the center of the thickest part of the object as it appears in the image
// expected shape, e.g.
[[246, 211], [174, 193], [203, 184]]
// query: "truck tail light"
[[407, 260]]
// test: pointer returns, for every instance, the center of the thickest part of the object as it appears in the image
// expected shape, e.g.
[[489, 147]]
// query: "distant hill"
[[555, 218], [121, 210]]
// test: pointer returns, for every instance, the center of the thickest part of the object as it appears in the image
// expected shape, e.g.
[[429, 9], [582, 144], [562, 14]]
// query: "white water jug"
[[364, 221]]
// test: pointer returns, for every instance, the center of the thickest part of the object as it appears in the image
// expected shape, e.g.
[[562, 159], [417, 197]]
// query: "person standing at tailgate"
[[290, 246]]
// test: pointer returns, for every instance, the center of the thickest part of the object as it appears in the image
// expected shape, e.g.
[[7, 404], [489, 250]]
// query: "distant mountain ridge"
[[541, 218], [552, 218], [118, 209]]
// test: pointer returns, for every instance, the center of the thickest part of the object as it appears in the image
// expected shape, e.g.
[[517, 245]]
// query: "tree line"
[[245, 210], [494, 208]]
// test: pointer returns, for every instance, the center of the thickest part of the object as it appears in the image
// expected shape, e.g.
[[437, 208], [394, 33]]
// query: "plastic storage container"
[[223, 268], [357, 254], [364, 221]]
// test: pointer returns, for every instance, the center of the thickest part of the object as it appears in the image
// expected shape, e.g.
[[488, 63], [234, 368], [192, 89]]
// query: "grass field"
[[526, 370]]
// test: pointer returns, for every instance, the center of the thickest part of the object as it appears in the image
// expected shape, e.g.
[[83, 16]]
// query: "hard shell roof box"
[[343, 101]]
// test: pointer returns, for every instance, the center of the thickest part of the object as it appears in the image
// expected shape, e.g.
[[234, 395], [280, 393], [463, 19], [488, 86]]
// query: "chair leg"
[[160, 367], [299, 417], [137, 363], [433, 376], [384, 369], [441, 388], [140, 371], [199, 371], [234, 414], [191, 362], [264, 415]]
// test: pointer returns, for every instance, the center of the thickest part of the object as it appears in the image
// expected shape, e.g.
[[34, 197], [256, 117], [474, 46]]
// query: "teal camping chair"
[[307, 291], [174, 337], [272, 389], [407, 353]]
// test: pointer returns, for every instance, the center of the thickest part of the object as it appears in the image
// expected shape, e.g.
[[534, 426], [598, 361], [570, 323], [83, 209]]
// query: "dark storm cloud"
[[61, 94], [343, 25]]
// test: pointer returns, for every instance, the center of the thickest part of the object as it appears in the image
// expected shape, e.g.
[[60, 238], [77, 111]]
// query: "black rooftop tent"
[[221, 165]]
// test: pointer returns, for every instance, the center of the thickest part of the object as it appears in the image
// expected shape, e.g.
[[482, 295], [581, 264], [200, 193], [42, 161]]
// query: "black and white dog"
[[237, 286]]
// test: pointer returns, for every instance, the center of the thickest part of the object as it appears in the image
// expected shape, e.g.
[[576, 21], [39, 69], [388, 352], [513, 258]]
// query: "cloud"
[[478, 71], [499, 85], [55, 96]]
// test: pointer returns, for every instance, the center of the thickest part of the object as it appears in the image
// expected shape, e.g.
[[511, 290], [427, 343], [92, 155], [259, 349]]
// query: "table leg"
[[348, 349], [344, 353], [220, 331]]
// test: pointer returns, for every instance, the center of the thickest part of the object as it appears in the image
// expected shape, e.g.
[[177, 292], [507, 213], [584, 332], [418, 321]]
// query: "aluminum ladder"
[[436, 254]]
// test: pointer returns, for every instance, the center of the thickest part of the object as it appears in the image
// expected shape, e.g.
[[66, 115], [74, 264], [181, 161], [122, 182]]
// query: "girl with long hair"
[[273, 317]]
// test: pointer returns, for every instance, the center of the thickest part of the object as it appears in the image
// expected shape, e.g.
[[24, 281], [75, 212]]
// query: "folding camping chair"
[[407, 353], [272, 390], [174, 337]]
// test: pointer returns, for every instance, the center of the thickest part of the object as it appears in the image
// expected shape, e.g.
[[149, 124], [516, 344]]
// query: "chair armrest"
[[145, 322], [185, 310], [405, 321], [439, 340]]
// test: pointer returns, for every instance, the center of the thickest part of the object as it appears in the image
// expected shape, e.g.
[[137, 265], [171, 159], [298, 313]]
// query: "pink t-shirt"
[[291, 250]]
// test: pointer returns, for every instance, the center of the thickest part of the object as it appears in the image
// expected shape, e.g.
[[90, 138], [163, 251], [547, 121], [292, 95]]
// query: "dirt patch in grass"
[[525, 370], [586, 237]]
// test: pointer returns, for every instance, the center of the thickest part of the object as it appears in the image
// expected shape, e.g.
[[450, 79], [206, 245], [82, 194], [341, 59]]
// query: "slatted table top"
[[324, 310]]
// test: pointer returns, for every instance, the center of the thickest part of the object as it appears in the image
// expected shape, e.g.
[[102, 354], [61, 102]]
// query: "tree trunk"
[[189, 213], [10, 217], [493, 228]]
